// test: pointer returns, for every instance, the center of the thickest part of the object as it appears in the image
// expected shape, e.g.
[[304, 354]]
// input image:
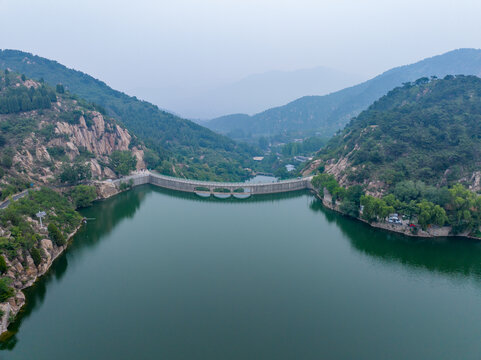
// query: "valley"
[[398, 157]]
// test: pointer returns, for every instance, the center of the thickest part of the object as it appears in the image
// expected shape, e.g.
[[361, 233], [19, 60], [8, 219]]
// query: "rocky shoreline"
[[431, 232], [24, 276]]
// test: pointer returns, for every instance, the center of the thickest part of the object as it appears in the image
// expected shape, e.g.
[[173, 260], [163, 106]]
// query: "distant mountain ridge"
[[256, 92], [325, 115]]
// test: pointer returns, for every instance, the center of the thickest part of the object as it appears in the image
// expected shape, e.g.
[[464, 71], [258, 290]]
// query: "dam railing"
[[186, 185]]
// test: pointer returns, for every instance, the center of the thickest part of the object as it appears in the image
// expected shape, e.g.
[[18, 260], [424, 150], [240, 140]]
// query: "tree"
[[151, 159], [36, 255], [123, 162], [369, 208], [7, 160], [461, 206], [83, 195], [354, 194], [6, 291], [3, 264], [56, 235], [439, 216], [263, 143], [430, 214], [60, 89], [72, 174]]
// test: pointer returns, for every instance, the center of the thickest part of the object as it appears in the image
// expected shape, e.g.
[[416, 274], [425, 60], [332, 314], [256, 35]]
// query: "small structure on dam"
[[218, 189]]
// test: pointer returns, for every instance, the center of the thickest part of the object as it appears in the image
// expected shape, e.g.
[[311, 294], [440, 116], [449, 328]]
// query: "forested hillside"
[[429, 130], [324, 115], [55, 145], [180, 147], [48, 137], [416, 152]]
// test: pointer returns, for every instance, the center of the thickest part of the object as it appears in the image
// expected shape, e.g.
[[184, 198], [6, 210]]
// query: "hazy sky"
[[194, 44]]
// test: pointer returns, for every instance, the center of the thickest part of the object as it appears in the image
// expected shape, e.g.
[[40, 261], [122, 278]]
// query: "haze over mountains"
[[324, 115], [249, 95]]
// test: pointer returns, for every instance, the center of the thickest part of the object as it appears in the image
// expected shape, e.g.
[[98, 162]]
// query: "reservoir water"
[[164, 275]]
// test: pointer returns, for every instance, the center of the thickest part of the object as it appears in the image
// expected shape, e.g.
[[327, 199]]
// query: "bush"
[[72, 174], [3, 264], [6, 161], [126, 185], [123, 162], [36, 254], [56, 235], [83, 195], [6, 291]]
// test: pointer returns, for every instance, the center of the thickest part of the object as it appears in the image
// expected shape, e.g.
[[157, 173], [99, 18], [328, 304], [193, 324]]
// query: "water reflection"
[[107, 215], [456, 257], [452, 257], [230, 200]]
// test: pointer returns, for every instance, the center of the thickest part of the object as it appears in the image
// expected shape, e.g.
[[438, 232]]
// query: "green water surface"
[[163, 275]]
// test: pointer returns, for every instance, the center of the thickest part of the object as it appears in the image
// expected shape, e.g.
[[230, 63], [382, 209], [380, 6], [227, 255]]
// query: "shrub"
[[36, 254], [71, 174], [3, 264], [5, 290], [126, 185], [122, 162], [83, 195], [56, 235]]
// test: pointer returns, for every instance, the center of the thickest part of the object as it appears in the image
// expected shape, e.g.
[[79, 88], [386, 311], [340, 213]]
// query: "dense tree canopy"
[[429, 130]]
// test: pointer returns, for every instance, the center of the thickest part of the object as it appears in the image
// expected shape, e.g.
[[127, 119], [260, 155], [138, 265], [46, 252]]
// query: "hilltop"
[[428, 131], [324, 115], [178, 146]]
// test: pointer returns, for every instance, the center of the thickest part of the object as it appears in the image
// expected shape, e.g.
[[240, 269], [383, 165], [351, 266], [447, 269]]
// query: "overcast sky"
[[189, 43]]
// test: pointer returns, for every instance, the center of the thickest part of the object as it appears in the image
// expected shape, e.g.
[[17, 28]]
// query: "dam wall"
[[187, 185]]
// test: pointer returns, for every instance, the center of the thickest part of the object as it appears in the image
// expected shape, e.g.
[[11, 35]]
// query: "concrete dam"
[[218, 189]]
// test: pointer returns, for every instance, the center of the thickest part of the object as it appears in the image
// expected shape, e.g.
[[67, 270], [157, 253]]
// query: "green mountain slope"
[[180, 146], [327, 114], [427, 131], [48, 137]]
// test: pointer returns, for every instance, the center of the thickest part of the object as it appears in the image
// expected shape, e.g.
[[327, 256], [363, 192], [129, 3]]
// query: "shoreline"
[[438, 232], [15, 304]]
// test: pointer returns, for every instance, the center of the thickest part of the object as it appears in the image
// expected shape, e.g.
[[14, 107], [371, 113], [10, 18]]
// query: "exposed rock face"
[[62, 134], [95, 168], [312, 167], [99, 137], [109, 173], [475, 181], [338, 169], [139, 155], [42, 154], [24, 276], [106, 189], [96, 139]]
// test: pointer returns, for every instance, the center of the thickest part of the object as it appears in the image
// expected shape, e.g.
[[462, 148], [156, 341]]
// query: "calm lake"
[[164, 275]]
